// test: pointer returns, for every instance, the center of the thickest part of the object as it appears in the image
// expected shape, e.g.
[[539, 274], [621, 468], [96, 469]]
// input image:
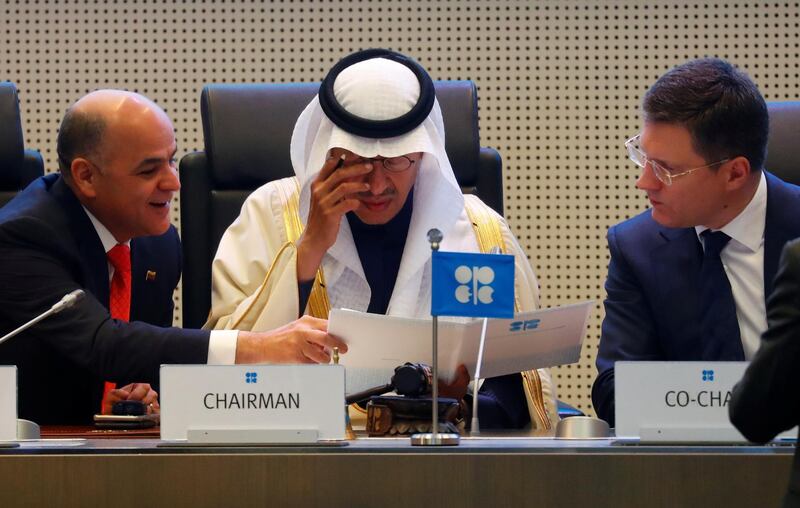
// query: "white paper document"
[[532, 340]]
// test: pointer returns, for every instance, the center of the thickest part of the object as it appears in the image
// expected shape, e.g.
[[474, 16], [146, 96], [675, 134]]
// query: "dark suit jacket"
[[653, 295], [48, 248], [767, 400]]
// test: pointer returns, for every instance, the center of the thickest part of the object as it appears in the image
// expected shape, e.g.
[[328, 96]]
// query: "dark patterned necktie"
[[719, 323]]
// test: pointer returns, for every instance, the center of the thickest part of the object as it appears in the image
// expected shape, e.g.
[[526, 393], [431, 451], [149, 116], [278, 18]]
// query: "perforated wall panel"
[[559, 85]]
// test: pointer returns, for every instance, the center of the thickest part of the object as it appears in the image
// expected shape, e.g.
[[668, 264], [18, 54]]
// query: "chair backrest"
[[247, 129], [18, 167], [783, 148]]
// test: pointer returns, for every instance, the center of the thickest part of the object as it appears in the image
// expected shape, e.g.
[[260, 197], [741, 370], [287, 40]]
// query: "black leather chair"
[[247, 129], [783, 148], [18, 167]]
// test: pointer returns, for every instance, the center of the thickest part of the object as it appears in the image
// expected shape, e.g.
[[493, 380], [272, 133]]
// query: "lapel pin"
[[151, 275]]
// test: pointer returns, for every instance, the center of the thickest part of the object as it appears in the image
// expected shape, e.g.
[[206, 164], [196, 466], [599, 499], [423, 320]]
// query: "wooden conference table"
[[508, 470]]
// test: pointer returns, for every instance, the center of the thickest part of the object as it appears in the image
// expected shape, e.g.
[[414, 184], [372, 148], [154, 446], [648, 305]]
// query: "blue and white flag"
[[475, 285]]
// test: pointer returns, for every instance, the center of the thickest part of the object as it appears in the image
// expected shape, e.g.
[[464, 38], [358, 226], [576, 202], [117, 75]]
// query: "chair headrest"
[[248, 128], [783, 150], [11, 140]]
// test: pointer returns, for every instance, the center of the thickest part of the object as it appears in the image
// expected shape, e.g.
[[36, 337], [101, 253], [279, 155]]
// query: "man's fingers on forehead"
[[327, 168], [345, 189], [346, 205], [352, 171]]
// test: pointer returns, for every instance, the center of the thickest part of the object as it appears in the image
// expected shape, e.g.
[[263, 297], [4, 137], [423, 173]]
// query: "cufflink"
[[150, 275]]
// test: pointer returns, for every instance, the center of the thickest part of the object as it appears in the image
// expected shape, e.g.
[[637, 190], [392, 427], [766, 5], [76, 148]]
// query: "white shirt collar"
[[105, 235], [747, 228]]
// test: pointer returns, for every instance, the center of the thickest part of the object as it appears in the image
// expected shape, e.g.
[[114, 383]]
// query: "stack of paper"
[[377, 344]]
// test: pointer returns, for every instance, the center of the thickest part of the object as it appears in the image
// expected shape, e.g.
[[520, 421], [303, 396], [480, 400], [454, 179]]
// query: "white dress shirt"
[[221, 343], [743, 259]]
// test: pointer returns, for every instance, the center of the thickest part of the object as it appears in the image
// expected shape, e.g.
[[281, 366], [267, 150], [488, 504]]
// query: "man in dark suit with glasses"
[[688, 278]]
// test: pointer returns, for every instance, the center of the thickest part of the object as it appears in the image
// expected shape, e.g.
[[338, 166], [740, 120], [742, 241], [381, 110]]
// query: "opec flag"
[[475, 285]]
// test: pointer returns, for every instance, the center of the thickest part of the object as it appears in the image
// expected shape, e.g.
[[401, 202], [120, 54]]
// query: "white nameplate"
[[8, 403], [676, 401], [252, 403]]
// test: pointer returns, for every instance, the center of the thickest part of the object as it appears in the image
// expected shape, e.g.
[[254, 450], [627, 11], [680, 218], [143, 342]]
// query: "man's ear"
[[84, 177], [738, 172]]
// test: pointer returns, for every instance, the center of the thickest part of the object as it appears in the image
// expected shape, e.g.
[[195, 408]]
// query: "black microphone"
[[413, 379], [410, 379], [66, 302], [357, 397]]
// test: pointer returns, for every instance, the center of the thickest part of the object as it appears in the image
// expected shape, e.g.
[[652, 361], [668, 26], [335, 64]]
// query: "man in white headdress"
[[349, 231]]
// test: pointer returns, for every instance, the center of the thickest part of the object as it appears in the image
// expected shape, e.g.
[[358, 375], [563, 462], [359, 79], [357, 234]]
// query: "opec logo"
[[521, 326], [475, 284]]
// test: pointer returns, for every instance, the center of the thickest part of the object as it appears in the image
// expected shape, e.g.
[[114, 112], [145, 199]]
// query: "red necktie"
[[119, 301]]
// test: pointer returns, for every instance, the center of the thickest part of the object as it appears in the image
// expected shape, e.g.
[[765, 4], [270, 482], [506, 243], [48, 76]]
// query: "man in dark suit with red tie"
[[103, 225]]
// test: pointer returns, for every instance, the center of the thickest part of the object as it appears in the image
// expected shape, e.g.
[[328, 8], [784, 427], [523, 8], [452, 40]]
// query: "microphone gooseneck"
[[475, 426], [66, 302]]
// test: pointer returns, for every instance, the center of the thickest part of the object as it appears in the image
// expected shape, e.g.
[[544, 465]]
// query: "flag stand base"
[[438, 439]]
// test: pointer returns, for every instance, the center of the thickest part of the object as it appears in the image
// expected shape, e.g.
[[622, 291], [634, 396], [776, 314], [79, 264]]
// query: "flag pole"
[[435, 438]]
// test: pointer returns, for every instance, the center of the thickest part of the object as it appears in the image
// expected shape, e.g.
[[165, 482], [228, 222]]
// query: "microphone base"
[[438, 439], [26, 429], [475, 427]]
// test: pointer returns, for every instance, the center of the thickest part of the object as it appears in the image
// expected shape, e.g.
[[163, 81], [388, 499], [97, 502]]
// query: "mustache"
[[388, 193]]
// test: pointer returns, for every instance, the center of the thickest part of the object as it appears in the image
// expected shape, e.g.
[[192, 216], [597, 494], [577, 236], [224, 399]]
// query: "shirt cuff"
[[222, 347]]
